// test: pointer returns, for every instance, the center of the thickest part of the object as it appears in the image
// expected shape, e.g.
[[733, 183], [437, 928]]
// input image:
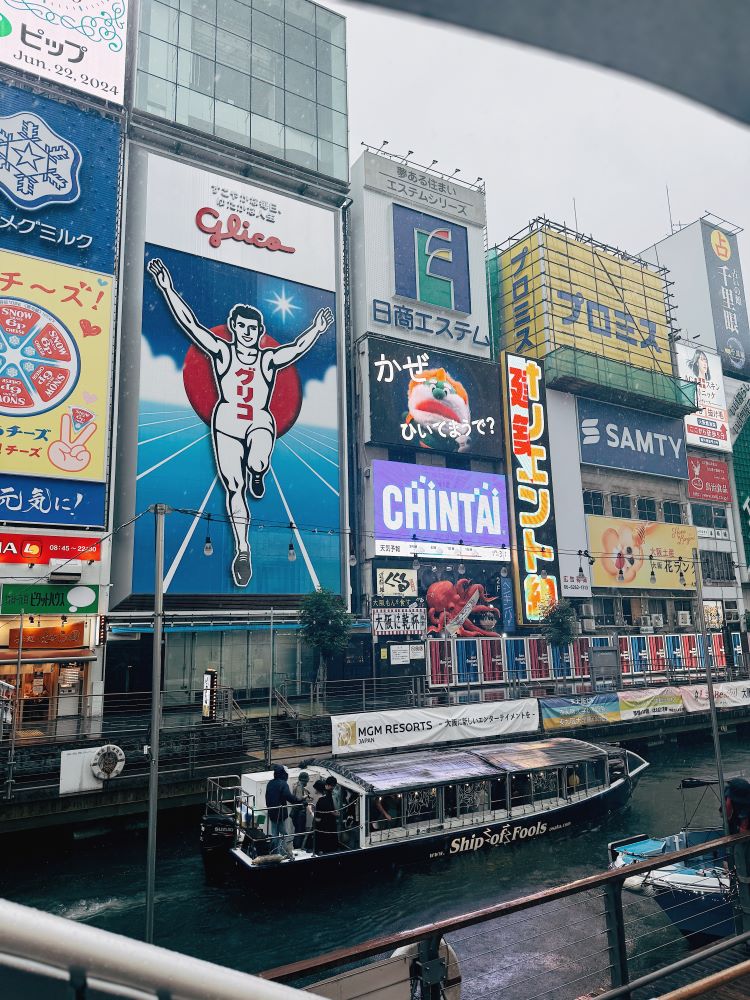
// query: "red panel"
[[656, 653], [581, 657], [720, 654], [539, 659], [690, 657], [492, 659], [438, 664], [624, 653]]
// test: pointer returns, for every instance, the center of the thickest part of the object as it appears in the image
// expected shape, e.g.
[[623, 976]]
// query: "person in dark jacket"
[[278, 796], [326, 827]]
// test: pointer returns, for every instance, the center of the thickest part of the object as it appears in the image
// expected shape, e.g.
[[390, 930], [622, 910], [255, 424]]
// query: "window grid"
[[621, 505], [593, 502], [672, 512], [276, 83], [646, 509]]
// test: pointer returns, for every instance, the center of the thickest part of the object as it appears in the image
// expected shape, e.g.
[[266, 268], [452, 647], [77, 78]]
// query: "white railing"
[[41, 954]]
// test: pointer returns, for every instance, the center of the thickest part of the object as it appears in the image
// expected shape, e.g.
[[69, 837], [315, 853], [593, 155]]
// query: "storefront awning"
[[46, 655]]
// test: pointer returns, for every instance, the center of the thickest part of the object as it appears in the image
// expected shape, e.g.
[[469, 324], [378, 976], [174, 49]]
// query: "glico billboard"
[[59, 204], [530, 488], [432, 400], [239, 393], [555, 290], [418, 257]]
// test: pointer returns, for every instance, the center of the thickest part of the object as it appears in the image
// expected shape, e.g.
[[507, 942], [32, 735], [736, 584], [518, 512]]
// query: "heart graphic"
[[102, 281], [88, 329], [89, 398]]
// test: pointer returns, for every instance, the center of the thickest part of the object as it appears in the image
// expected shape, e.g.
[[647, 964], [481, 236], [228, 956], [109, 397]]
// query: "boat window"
[[385, 811], [520, 789], [421, 805], [595, 773], [575, 779], [499, 793], [467, 797], [544, 785]]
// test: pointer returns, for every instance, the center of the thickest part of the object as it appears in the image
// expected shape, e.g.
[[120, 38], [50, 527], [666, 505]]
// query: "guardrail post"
[[618, 952], [742, 867], [430, 969]]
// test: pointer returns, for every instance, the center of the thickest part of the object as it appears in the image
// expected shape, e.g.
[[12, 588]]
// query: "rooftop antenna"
[[456, 171], [383, 144], [575, 216], [669, 209], [432, 164], [408, 154]]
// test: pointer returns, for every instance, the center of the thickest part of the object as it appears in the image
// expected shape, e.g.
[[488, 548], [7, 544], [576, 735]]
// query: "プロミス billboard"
[[78, 45], [709, 427], [727, 294], [529, 471], [433, 400], [445, 513], [617, 437], [239, 397], [418, 257], [558, 291]]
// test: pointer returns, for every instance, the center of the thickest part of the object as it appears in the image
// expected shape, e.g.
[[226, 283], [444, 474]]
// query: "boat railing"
[[222, 792]]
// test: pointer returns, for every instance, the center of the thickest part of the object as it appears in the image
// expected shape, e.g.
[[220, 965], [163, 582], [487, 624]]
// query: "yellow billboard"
[[643, 555], [585, 296], [55, 340]]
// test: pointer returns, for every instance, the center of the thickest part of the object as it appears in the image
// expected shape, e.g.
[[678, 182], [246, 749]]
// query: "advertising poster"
[[709, 427], [728, 305], [239, 387], [529, 468], [727, 695], [79, 45], [447, 513], [650, 703], [738, 398], [522, 297], [427, 726], [433, 400], [59, 181], [618, 437], [466, 600], [647, 555], [40, 549], [53, 599], [708, 479], [588, 710]]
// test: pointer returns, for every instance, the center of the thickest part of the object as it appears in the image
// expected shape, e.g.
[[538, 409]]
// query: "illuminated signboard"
[[709, 427], [648, 555], [534, 533], [727, 293]]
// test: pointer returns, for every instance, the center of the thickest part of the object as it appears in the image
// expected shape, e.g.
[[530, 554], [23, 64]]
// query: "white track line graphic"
[[303, 550], [301, 459], [310, 448], [167, 434], [186, 540], [170, 457]]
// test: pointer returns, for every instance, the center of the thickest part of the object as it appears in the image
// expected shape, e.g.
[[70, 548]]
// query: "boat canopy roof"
[[442, 766]]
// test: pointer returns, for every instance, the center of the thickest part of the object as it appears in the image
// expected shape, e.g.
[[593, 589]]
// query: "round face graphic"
[[200, 387], [39, 360], [720, 245]]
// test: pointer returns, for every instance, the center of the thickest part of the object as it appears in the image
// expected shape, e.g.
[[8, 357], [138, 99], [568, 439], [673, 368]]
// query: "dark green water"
[[102, 881]]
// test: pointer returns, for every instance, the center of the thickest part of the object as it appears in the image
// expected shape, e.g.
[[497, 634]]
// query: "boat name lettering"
[[496, 837]]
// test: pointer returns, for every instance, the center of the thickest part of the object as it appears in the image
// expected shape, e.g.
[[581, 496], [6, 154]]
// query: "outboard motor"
[[217, 833], [737, 800]]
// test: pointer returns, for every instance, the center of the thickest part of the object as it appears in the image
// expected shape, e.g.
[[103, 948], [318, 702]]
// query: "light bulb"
[[208, 548], [291, 554]]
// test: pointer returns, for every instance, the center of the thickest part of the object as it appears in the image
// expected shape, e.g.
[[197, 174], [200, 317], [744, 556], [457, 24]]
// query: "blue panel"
[[620, 438], [60, 502], [516, 659], [638, 653]]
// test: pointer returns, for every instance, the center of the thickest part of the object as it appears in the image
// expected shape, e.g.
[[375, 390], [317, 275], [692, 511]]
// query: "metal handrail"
[[387, 943], [46, 945], [288, 708], [709, 984]]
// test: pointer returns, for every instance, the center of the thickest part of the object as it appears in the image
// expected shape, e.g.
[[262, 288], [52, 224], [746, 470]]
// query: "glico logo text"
[[431, 260], [209, 221]]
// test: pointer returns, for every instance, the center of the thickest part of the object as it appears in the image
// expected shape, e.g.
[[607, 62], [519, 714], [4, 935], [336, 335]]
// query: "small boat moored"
[[421, 804]]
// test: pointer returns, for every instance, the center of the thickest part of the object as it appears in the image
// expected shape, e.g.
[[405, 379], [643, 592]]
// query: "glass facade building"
[[267, 74]]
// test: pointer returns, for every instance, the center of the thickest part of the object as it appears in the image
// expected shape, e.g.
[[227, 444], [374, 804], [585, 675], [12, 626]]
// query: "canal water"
[[101, 881]]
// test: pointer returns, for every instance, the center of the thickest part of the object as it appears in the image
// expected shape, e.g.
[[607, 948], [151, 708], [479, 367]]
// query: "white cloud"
[[161, 379], [321, 401]]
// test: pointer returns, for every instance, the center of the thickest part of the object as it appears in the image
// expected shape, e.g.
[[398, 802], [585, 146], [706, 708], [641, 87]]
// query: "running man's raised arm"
[[181, 310], [289, 353]]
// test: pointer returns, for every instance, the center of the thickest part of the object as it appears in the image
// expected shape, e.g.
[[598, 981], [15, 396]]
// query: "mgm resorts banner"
[[433, 400], [411, 727], [620, 438]]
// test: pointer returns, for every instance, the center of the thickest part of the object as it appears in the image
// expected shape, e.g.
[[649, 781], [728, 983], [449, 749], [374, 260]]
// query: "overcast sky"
[[542, 130]]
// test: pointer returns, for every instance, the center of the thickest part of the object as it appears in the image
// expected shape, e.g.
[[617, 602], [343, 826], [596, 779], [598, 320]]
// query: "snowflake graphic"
[[37, 166]]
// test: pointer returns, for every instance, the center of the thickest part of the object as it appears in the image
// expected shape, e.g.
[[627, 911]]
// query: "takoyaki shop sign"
[[433, 400], [424, 726], [446, 513]]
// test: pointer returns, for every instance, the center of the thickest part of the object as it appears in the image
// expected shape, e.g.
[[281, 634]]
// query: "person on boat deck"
[[326, 826], [302, 815], [278, 795]]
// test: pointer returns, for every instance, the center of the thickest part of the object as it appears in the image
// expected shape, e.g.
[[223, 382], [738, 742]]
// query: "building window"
[[646, 509], [604, 610], [717, 567], [707, 516], [593, 502], [620, 505], [672, 512]]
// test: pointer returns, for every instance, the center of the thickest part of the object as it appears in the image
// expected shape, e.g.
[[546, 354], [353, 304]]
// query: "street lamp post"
[[160, 510], [16, 710]]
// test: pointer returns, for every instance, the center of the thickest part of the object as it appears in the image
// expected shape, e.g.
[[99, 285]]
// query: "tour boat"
[[696, 895], [424, 804]]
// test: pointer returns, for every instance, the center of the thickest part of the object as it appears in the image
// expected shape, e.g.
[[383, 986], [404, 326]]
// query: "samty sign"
[[426, 726]]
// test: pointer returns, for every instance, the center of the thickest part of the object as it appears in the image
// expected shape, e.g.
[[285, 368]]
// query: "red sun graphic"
[[200, 385]]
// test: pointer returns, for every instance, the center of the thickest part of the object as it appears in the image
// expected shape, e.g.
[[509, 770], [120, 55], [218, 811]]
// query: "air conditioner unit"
[[731, 616], [586, 611], [657, 621], [65, 570], [684, 619], [576, 628], [588, 624], [645, 621]]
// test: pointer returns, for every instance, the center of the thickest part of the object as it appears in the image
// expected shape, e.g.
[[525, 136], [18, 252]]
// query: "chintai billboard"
[[238, 426]]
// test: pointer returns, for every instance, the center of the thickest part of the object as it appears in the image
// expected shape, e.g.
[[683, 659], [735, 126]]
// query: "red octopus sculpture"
[[446, 601]]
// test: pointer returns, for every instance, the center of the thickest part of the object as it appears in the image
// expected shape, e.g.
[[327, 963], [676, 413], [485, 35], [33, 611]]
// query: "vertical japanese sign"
[[533, 521], [522, 322], [728, 306], [79, 45], [59, 189], [709, 427]]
